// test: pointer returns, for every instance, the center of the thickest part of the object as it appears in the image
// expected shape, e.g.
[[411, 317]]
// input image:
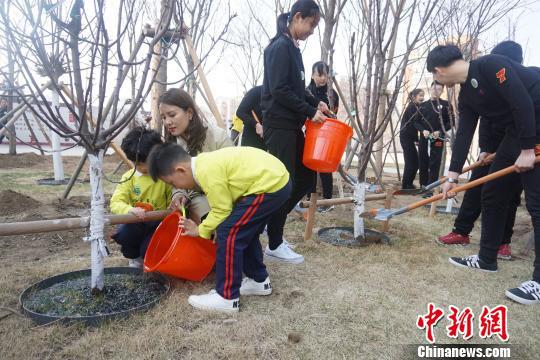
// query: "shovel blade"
[[378, 214], [384, 214]]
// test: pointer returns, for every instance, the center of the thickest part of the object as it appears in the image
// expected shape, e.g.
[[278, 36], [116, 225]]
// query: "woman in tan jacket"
[[181, 118]]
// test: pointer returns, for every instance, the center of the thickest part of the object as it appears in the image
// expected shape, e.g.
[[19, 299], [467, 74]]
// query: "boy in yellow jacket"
[[244, 186], [138, 193]]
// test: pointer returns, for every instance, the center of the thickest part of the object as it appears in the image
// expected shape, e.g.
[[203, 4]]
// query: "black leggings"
[[288, 146], [496, 199], [410, 154], [471, 207], [327, 184]]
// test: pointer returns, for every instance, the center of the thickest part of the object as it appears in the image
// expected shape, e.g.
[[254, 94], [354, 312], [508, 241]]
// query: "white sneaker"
[[284, 241], [284, 253], [136, 263], [214, 301], [251, 287]]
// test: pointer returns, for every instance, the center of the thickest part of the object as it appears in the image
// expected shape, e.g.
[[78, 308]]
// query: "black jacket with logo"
[[503, 91], [285, 102], [433, 115]]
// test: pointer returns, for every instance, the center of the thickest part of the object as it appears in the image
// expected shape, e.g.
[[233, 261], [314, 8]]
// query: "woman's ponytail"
[[282, 26], [306, 8]]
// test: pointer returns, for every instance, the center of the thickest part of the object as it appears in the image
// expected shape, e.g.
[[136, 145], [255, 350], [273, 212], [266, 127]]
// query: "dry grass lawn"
[[342, 303]]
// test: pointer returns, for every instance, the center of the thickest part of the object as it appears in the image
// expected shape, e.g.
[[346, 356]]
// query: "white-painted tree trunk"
[[97, 221], [359, 199], [55, 143]]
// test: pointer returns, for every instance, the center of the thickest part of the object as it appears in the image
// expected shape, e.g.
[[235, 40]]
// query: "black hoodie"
[[285, 102]]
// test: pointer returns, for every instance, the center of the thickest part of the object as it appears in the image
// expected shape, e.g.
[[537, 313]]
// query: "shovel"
[[386, 214], [442, 180]]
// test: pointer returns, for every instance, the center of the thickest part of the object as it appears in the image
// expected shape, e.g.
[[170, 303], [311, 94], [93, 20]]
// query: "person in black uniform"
[[408, 137], [318, 88], [252, 135], [508, 93], [491, 135], [286, 105], [432, 122]]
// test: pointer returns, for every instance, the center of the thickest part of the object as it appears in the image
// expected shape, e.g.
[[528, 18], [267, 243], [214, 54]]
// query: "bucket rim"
[[167, 254], [331, 122]]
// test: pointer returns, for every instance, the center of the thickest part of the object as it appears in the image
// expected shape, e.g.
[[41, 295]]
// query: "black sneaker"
[[473, 262], [527, 293]]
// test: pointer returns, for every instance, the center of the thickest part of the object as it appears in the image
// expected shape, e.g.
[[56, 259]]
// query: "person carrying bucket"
[[182, 120], [137, 193], [318, 88], [244, 186], [285, 107]]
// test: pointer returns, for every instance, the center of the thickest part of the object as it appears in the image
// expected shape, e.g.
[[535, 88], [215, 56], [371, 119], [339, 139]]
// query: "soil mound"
[[20, 160], [12, 202]]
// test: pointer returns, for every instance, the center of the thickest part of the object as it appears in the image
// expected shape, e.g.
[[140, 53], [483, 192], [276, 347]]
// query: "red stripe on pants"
[[229, 256]]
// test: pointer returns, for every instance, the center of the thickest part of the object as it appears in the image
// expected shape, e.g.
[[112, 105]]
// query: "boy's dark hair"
[[510, 49], [306, 8], [138, 143], [164, 157], [443, 56]]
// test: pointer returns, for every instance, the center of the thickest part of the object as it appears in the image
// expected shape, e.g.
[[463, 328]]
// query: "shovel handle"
[[466, 169], [469, 185], [255, 117]]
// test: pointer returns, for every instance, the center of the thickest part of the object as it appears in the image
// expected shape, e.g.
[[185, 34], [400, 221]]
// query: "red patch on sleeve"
[[501, 75]]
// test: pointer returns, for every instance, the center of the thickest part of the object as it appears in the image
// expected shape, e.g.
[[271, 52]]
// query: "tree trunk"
[[97, 221], [160, 66], [359, 199], [158, 87], [55, 142], [11, 84]]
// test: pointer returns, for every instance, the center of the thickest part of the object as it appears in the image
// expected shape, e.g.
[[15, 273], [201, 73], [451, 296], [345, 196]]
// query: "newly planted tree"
[[93, 52]]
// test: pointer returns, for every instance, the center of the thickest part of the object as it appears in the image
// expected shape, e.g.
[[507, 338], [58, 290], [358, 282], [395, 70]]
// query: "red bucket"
[[325, 144], [186, 257]]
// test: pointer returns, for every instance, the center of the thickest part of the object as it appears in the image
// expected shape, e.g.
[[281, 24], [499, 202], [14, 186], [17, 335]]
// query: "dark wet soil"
[[72, 298], [345, 237]]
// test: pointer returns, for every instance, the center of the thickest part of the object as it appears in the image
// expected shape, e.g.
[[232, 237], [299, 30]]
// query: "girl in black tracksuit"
[[408, 137], [286, 105], [318, 88], [252, 134]]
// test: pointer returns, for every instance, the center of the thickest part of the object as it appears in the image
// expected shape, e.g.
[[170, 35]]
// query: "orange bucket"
[[186, 257], [325, 144]]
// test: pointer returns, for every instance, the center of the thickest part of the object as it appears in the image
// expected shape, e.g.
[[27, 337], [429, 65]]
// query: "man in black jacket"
[[509, 93], [432, 122], [491, 134]]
